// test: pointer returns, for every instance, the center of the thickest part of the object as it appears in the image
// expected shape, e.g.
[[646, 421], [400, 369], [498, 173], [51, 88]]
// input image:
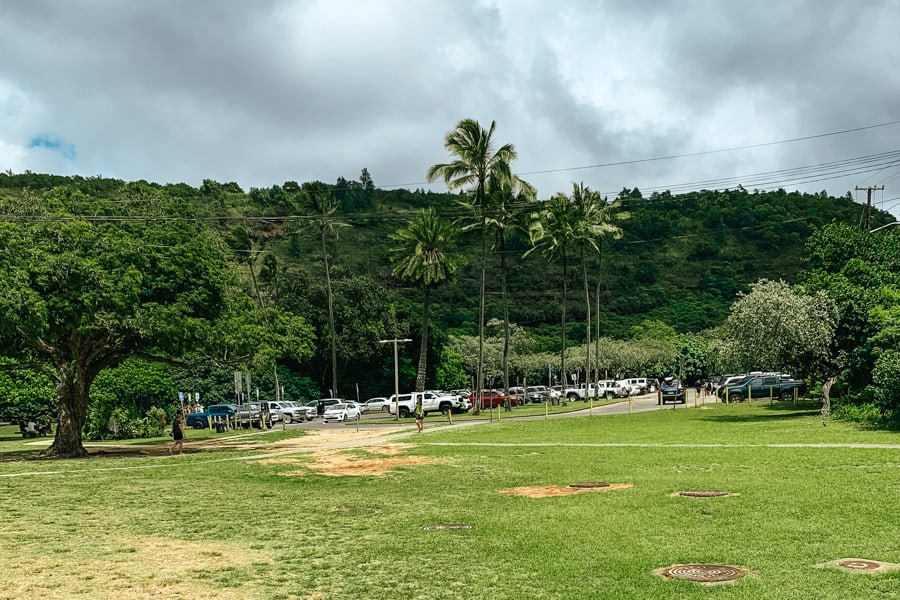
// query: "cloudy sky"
[[273, 90]]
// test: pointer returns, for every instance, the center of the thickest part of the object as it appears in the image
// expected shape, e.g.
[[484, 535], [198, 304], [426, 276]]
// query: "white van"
[[638, 385]]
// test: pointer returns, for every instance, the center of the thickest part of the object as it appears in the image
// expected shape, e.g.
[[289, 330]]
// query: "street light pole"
[[396, 374]]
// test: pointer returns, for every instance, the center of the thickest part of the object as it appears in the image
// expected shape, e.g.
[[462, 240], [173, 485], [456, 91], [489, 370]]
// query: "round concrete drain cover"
[[445, 526], [704, 573], [589, 484], [702, 493], [859, 564]]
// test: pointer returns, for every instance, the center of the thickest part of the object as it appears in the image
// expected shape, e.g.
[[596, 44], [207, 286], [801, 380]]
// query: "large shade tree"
[[426, 254], [477, 164], [86, 284], [779, 327]]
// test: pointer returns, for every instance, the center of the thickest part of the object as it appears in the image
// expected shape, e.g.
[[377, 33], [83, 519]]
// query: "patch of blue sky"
[[55, 144]]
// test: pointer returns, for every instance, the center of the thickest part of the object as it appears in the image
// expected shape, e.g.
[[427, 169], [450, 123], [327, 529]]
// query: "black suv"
[[671, 390]]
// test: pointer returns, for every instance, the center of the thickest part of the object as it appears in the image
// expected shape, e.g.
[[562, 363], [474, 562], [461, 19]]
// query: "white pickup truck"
[[604, 389], [431, 402]]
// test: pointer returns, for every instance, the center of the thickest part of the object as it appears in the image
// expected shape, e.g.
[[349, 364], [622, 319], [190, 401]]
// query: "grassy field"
[[276, 515]]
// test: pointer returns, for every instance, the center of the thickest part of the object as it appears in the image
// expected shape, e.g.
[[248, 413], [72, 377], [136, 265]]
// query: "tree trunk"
[[826, 396], [597, 337], [423, 351], [334, 381], [72, 393], [587, 303], [479, 385], [507, 405], [562, 358]]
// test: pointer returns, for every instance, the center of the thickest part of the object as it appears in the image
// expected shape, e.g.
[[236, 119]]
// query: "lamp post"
[[396, 374]]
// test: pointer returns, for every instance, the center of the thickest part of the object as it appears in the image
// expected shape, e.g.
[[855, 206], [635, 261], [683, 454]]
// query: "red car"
[[492, 398]]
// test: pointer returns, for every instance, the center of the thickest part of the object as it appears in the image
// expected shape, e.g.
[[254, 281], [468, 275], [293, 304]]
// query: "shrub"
[[868, 413], [886, 382]]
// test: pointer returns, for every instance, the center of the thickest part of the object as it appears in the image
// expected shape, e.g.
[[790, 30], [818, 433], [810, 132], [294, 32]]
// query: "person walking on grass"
[[420, 414], [177, 435]]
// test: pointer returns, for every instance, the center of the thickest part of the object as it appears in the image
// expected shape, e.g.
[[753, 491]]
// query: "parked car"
[[341, 413], [378, 404], [672, 390], [638, 385], [772, 385], [323, 403], [274, 411], [492, 398], [538, 393], [294, 412], [312, 409]]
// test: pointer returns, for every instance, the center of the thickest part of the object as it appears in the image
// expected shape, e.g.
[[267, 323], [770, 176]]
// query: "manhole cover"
[[859, 564], [704, 573], [589, 484], [702, 493], [444, 526]]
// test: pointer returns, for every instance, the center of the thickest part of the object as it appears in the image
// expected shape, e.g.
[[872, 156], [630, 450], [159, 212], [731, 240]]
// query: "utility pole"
[[869, 191]]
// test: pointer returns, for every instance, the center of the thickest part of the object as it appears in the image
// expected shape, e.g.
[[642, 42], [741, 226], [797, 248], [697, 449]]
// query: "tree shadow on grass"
[[776, 411]]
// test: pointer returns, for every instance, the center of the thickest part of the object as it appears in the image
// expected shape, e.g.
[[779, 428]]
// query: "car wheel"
[[787, 395], [199, 425], [288, 419], [384, 408], [404, 413], [445, 408], [572, 397], [735, 398]]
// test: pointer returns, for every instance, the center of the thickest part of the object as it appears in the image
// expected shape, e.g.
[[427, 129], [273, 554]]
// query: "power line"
[[706, 152]]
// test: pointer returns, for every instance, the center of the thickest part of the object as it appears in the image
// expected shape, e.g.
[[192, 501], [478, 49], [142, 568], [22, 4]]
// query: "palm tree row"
[[500, 205], [500, 202]]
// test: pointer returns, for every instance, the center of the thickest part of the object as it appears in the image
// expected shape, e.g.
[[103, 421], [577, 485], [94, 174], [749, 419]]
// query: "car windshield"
[[311, 404], [336, 407]]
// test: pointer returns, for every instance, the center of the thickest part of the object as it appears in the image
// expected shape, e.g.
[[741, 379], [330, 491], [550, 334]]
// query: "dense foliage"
[[235, 280]]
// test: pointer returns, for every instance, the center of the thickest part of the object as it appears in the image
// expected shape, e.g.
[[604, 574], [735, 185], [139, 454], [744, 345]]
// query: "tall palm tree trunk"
[[423, 351], [587, 302], [334, 380], [479, 385], [562, 358], [507, 404], [599, 280]]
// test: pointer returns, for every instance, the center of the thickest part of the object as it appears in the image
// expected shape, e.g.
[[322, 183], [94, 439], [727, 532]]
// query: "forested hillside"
[[681, 260]]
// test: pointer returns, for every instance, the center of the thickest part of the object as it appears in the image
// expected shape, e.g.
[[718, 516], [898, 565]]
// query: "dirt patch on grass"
[[863, 566], [336, 463], [549, 491], [136, 568]]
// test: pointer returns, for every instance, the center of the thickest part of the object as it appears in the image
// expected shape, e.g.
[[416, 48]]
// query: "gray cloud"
[[268, 91]]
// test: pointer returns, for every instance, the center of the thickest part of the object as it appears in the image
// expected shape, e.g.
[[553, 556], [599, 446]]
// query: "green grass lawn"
[[226, 524]]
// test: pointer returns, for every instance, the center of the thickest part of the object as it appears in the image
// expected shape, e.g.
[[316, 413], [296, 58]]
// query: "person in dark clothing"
[[177, 435]]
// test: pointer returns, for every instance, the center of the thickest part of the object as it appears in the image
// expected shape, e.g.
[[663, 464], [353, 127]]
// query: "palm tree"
[[424, 255], [321, 206], [477, 164], [560, 230], [603, 217], [510, 213]]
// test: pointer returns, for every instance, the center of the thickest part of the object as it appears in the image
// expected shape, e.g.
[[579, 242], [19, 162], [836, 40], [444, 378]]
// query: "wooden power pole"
[[869, 191]]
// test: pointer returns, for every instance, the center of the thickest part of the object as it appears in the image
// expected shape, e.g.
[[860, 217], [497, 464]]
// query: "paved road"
[[643, 403]]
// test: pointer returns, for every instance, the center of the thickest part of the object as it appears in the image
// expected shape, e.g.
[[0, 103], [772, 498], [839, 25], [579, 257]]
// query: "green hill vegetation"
[[680, 263]]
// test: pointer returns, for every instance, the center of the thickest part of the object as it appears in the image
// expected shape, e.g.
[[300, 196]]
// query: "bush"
[[868, 413], [886, 382]]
